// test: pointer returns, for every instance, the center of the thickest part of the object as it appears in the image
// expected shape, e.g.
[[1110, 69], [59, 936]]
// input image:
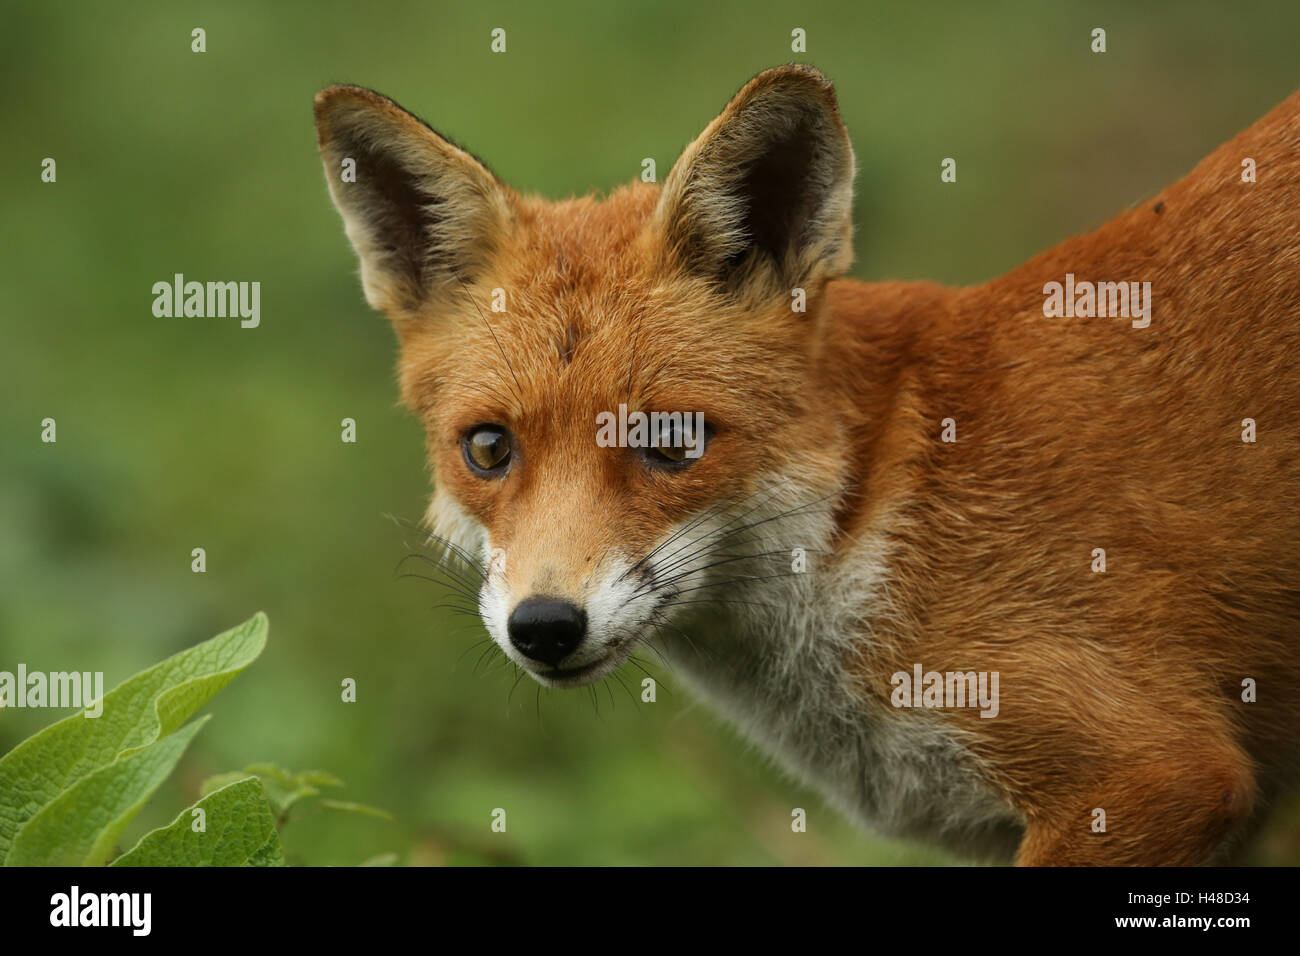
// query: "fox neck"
[[795, 676]]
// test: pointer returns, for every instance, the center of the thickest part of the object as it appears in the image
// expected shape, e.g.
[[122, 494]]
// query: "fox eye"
[[487, 450], [673, 448], [671, 453]]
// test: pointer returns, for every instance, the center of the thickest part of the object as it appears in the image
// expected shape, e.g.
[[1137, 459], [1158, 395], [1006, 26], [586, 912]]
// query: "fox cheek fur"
[[832, 540]]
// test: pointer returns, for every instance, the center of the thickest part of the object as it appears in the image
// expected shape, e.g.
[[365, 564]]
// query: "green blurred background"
[[175, 434]]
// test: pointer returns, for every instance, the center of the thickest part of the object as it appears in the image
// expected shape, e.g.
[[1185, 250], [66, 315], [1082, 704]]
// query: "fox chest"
[[900, 773]]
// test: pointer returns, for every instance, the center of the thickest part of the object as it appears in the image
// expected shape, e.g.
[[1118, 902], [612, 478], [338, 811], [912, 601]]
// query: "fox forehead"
[[576, 312]]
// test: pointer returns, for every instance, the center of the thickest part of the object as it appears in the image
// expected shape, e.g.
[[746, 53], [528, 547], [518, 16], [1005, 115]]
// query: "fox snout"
[[565, 631], [546, 629]]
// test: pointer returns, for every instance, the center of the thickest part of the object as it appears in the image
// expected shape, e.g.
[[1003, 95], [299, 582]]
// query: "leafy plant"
[[289, 791], [68, 792], [247, 835]]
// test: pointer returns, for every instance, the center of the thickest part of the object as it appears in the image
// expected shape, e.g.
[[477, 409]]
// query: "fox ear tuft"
[[762, 200], [420, 212]]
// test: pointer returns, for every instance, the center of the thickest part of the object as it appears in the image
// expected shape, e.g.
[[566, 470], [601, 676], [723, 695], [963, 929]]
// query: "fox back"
[[1012, 568]]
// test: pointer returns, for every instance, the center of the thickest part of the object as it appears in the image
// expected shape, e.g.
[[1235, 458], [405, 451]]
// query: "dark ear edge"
[[326, 101], [422, 212], [762, 199]]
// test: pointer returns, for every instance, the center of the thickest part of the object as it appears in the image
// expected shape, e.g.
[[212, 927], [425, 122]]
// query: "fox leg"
[[1183, 809]]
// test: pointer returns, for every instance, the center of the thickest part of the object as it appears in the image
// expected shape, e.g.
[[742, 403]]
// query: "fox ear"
[[420, 212], [762, 200]]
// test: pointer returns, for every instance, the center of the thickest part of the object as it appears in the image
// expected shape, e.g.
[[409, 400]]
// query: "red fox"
[[1013, 569]]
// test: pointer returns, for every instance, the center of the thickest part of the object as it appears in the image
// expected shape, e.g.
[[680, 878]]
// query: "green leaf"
[[270, 772], [270, 854], [317, 778], [283, 788], [136, 714], [217, 781], [80, 826], [288, 800], [360, 808], [240, 831]]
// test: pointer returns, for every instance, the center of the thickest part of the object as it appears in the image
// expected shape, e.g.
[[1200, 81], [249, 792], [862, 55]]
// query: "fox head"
[[620, 395]]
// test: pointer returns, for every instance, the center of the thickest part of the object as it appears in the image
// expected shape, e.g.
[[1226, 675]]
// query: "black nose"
[[546, 629]]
